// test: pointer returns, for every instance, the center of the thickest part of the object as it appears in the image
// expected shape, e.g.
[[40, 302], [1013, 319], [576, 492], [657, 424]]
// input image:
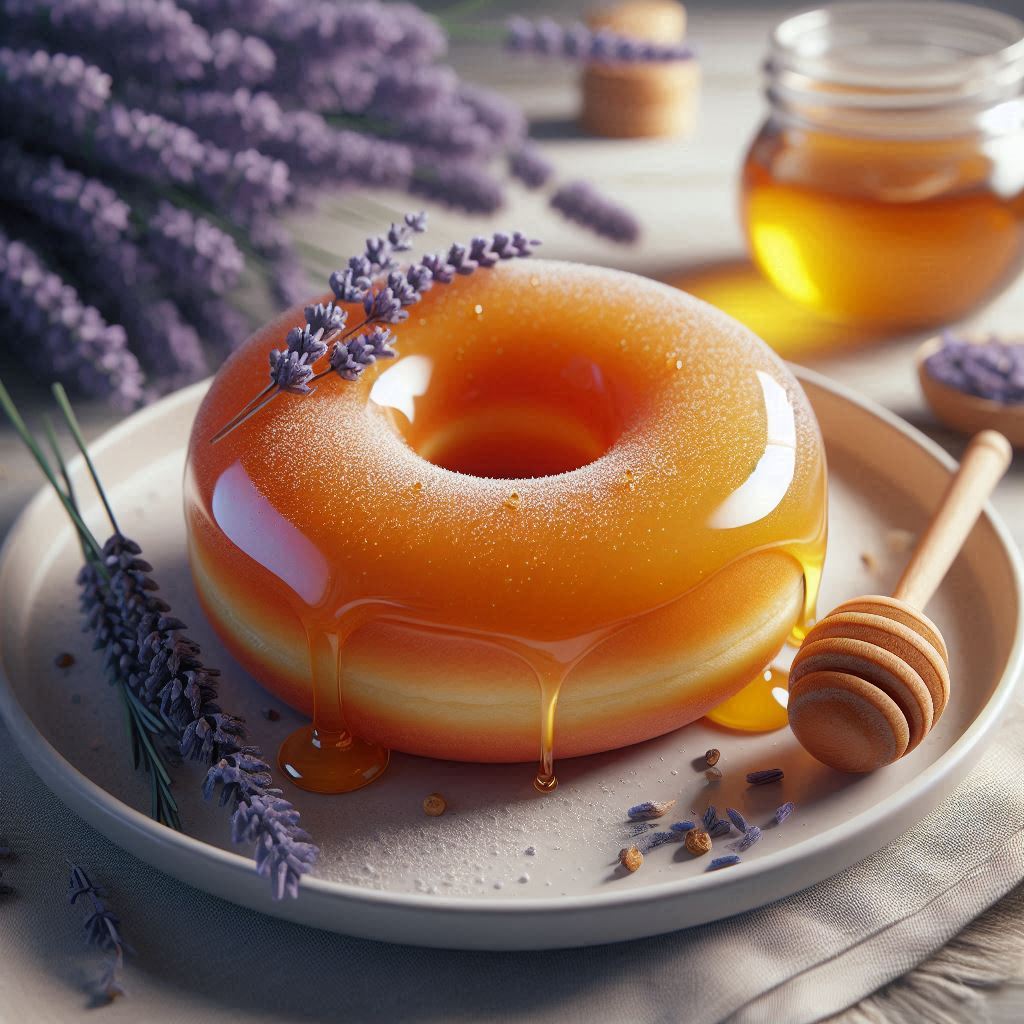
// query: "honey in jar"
[[886, 188]]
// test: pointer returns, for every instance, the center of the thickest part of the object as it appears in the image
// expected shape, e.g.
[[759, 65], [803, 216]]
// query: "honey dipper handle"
[[985, 461]]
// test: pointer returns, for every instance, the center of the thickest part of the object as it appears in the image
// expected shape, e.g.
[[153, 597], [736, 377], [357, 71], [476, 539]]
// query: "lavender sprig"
[[580, 202], [575, 41], [102, 929], [62, 336], [385, 291]]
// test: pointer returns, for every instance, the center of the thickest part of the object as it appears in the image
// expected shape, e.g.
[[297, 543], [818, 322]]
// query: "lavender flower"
[[530, 166], [783, 812], [173, 683], [993, 369], [656, 839], [682, 826], [577, 42], [750, 836], [462, 186], [102, 929], [580, 202], [239, 61], [719, 829], [710, 817], [151, 38], [737, 819], [65, 92], [196, 254], [63, 337], [650, 809], [726, 861], [290, 372], [763, 778]]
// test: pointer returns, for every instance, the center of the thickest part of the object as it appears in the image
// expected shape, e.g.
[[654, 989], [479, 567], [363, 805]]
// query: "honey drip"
[[324, 757]]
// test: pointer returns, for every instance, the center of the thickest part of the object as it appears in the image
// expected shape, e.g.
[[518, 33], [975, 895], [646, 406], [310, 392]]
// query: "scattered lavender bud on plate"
[[719, 829], [783, 812], [765, 776], [640, 828], [992, 369], [737, 819], [682, 826], [723, 862], [750, 836], [649, 809], [655, 839]]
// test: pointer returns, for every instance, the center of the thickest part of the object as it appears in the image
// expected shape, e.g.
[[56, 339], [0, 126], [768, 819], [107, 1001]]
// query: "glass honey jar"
[[886, 186]]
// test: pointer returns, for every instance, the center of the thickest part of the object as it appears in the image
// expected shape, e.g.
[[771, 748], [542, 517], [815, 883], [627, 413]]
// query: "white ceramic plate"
[[506, 868]]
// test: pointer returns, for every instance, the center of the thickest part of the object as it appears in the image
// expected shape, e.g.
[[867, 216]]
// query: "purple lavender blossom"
[[504, 121], [682, 826], [102, 929], [238, 61], [580, 202], [719, 829], [530, 166], [737, 819], [174, 684], [63, 337], [992, 369], [152, 38], [290, 372], [783, 812], [306, 342], [726, 861], [461, 186], [197, 254], [750, 836], [766, 776], [547, 38], [656, 839]]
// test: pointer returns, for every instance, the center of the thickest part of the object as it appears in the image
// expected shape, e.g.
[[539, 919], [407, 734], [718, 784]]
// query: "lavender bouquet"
[[151, 147]]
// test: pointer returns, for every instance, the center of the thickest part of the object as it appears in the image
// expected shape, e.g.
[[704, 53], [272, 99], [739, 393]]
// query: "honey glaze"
[[476, 551]]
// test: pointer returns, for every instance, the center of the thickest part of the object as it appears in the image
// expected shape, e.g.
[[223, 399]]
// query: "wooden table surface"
[[684, 192]]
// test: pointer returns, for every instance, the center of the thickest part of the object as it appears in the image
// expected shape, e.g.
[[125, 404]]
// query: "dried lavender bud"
[[783, 812], [723, 862], [640, 828], [682, 826], [710, 817], [325, 317], [102, 929], [750, 836], [149, 38], [719, 829], [737, 819], [655, 839], [57, 335], [762, 778], [577, 42], [650, 809], [530, 166], [993, 369], [580, 202]]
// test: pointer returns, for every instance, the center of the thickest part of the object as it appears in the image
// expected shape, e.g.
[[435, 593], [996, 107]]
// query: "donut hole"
[[491, 419]]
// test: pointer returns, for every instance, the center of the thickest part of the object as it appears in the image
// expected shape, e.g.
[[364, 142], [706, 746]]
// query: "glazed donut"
[[568, 472]]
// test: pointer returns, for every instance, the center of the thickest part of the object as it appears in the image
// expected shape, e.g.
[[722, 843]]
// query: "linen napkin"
[[800, 959]]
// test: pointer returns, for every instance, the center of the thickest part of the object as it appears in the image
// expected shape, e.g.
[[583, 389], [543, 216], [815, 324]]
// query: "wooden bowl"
[[967, 413]]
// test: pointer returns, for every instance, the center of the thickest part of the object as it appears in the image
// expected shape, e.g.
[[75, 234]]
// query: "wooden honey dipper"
[[872, 678]]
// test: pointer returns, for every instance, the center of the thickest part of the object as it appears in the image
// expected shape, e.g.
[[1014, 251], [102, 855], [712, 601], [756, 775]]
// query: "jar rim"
[[909, 54]]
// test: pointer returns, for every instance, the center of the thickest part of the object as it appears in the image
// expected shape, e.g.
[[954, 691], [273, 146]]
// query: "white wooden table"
[[685, 194]]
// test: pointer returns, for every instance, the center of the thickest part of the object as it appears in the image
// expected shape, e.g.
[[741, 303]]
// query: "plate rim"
[[58, 773]]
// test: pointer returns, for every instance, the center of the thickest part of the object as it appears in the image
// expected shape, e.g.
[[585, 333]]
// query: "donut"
[[579, 500]]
